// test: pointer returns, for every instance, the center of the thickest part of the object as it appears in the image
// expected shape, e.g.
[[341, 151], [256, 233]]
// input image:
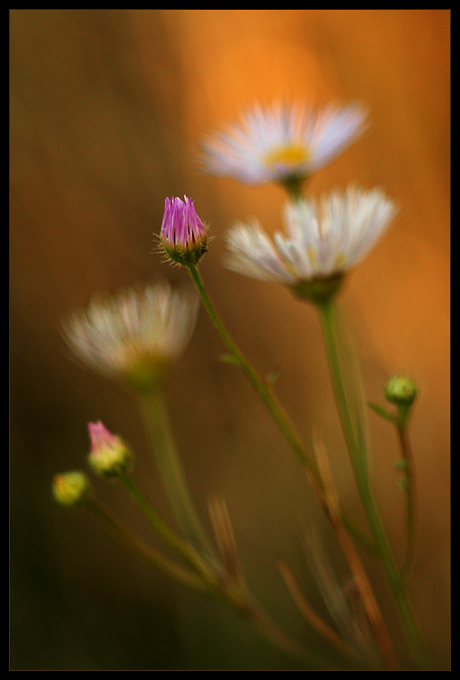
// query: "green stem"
[[257, 382], [186, 551], [410, 492], [215, 585], [270, 630], [143, 550], [265, 391], [327, 313], [343, 390], [156, 418]]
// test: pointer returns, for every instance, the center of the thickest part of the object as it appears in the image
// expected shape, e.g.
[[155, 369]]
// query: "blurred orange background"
[[107, 108]]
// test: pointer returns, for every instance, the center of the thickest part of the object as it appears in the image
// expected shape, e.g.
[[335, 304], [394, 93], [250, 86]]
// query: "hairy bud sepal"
[[183, 235]]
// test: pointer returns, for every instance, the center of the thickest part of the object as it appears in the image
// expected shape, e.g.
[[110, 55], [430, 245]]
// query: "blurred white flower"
[[135, 336], [282, 143]]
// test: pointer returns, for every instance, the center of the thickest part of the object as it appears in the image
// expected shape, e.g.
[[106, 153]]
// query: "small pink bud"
[[183, 235], [109, 456]]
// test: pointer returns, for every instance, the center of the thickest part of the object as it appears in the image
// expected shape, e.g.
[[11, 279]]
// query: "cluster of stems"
[[210, 564], [354, 429], [209, 568]]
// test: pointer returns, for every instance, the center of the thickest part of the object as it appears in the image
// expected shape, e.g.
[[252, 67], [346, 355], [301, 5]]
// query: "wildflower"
[[109, 455], [324, 239], [135, 336], [70, 488], [282, 143], [400, 390], [183, 235]]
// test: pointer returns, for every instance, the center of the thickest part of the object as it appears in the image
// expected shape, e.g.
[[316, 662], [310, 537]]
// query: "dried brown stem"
[[362, 582]]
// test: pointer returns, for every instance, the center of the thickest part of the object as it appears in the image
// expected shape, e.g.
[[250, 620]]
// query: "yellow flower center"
[[143, 370], [340, 260], [289, 155]]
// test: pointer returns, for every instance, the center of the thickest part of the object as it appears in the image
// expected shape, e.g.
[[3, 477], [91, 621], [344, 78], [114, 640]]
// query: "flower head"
[[109, 456], [70, 488], [183, 235], [323, 240], [400, 390], [282, 143], [135, 336]]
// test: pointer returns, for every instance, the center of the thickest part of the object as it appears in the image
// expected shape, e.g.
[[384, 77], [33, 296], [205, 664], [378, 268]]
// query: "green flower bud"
[[71, 488], [400, 390]]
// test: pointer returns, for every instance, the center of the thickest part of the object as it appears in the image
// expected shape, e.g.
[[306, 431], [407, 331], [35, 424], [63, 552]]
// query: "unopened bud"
[[109, 455], [400, 390], [183, 235], [70, 488]]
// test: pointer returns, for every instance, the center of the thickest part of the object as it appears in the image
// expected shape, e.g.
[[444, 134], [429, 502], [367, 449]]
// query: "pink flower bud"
[[109, 456], [183, 235]]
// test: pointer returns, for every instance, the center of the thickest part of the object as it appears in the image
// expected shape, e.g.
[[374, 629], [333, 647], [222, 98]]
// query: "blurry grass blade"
[[309, 613], [225, 538], [331, 591]]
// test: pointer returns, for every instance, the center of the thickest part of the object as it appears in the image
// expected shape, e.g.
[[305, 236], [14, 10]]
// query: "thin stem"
[[155, 414], [328, 318], [204, 581], [265, 391], [361, 580], [345, 391], [142, 549], [233, 594], [317, 623], [248, 609], [259, 385], [270, 630], [410, 492], [178, 545]]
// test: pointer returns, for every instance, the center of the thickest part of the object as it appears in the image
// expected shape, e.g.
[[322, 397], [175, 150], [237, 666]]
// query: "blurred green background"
[[106, 110]]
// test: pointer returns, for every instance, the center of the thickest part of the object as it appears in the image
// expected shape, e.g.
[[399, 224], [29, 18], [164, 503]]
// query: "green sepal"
[[381, 412]]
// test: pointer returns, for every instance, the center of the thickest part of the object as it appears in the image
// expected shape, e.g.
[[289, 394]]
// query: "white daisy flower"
[[282, 143], [135, 336], [323, 239]]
